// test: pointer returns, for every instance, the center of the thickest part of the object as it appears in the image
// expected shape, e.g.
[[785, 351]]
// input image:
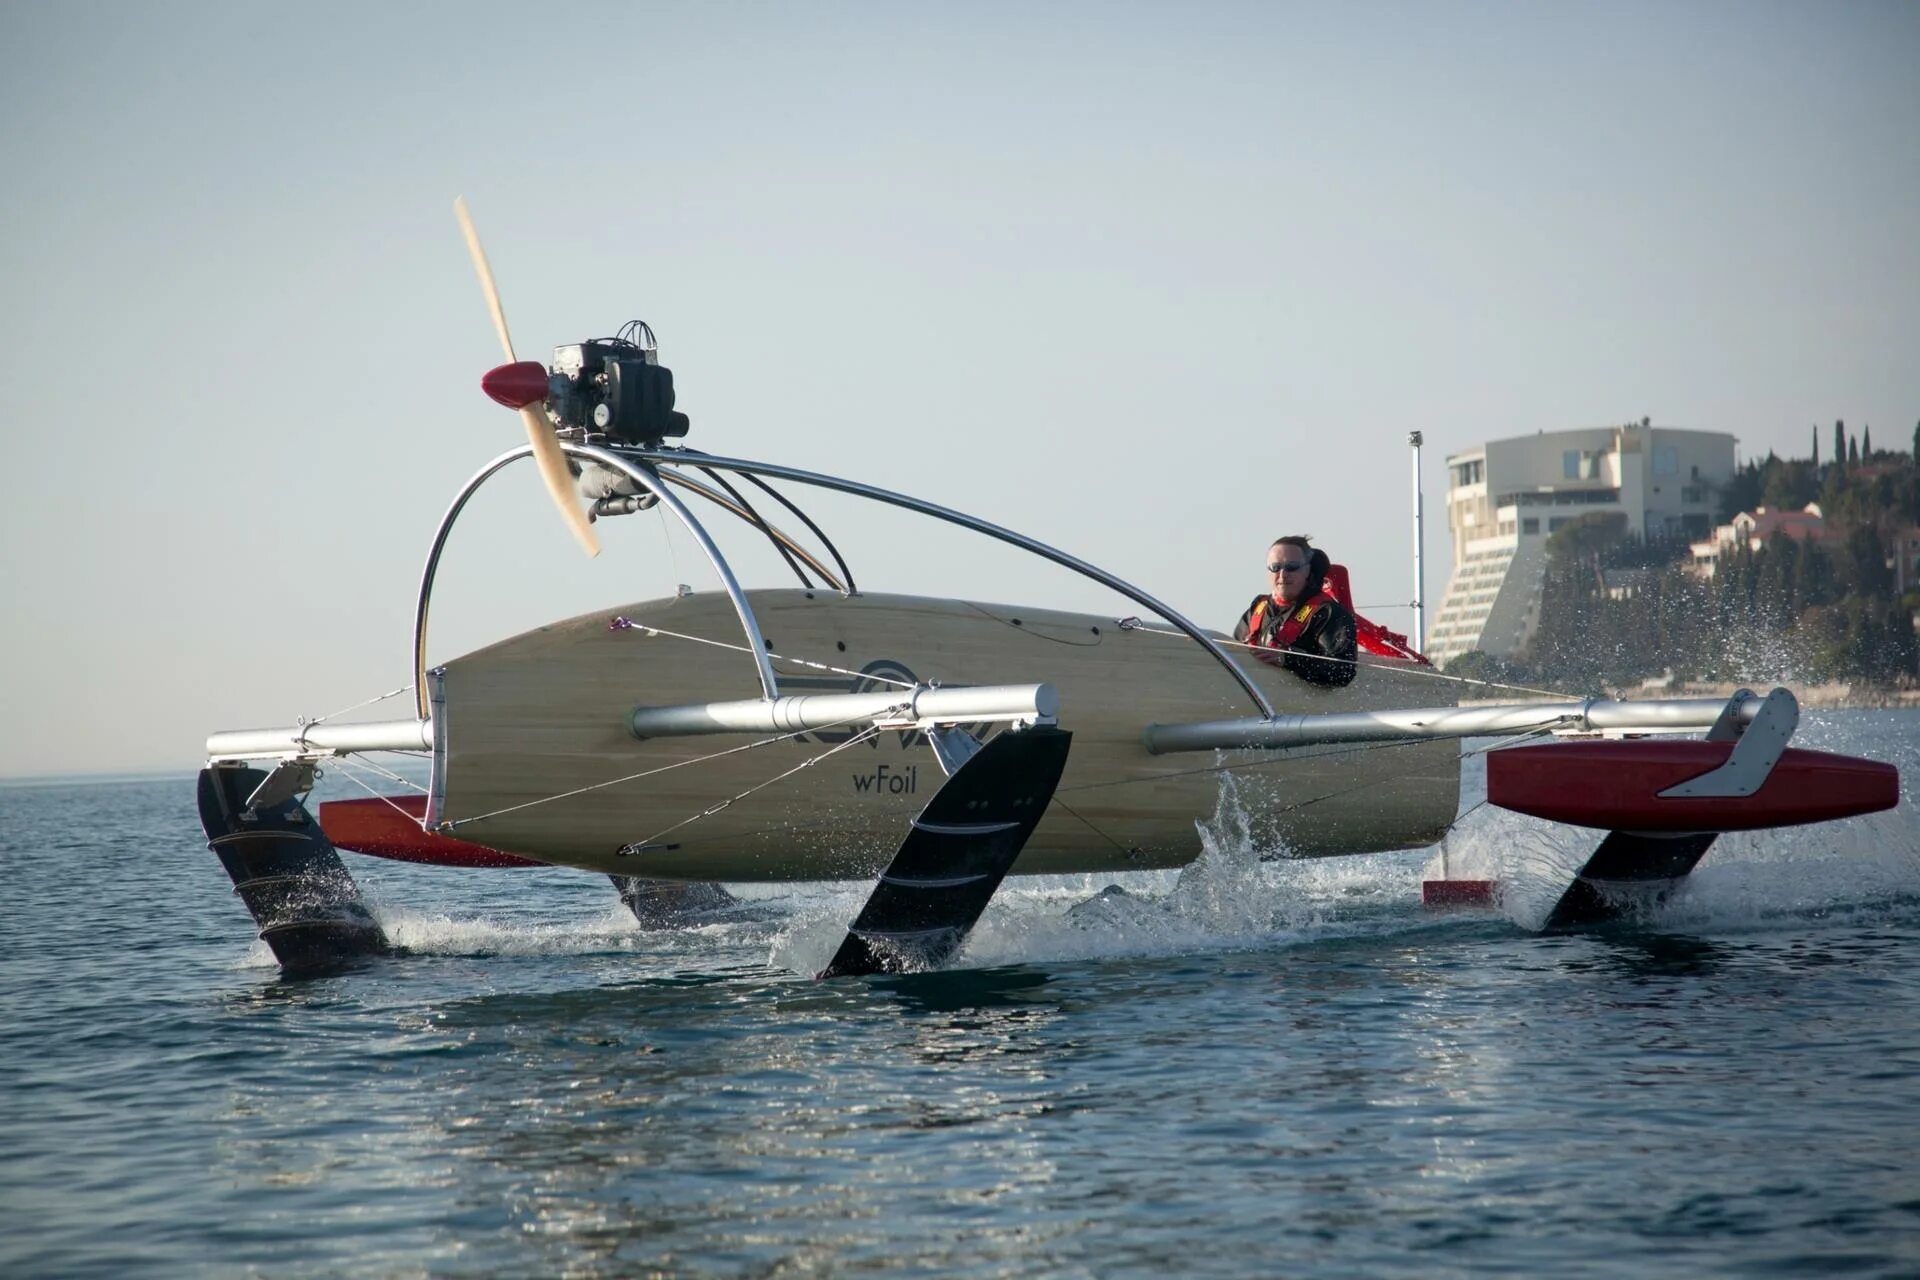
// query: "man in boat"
[[1298, 624]]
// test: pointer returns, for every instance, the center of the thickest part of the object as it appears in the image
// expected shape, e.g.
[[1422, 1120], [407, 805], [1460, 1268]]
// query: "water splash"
[[1239, 893], [426, 933], [816, 925]]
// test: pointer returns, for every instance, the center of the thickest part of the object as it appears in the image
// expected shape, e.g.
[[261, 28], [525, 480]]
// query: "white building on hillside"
[[1506, 497], [1754, 529]]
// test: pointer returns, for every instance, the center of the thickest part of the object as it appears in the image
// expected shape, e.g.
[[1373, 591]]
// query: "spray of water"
[[1239, 893]]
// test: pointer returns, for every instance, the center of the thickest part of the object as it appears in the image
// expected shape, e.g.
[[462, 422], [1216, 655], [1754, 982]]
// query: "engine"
[[616, 387]]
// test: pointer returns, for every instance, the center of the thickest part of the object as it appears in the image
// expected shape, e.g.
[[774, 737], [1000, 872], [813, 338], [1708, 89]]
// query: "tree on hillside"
[[1853, 451], [1788, 486], [1575, 642], [1858, 638], [1839, 441], [1740, 493], [1585, 540], [1478, 664], [1896, 647], [1816, 446], [1860, 567], [1776, 575], [1866, 443]]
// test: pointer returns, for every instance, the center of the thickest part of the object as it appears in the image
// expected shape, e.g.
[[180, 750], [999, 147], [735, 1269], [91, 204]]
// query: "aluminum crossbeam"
[[320, 739], [1588, 715], [1029, 703]]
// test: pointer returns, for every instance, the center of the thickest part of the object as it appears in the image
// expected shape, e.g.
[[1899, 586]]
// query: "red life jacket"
[[1300, 613]]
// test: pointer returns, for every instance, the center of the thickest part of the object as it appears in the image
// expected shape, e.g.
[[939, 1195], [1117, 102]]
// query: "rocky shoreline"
[[1831, 696]]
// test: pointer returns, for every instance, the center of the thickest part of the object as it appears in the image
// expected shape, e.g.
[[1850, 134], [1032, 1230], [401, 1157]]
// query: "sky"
[[1153, 284]]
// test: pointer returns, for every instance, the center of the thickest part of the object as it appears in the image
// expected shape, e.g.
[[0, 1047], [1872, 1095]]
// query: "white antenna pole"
[[1419, 578]]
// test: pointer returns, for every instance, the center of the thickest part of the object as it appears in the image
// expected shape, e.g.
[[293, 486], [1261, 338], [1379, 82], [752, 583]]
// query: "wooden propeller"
[[546, 450]]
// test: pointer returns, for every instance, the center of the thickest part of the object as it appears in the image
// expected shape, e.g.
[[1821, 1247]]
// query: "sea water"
[[1257, 1066]]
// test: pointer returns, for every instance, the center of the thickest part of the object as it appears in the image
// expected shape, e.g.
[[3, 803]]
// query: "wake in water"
[[547, 913]]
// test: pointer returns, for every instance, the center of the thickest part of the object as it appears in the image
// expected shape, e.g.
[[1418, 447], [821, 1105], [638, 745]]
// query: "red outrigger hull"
[[1616, 786], [390, 828]]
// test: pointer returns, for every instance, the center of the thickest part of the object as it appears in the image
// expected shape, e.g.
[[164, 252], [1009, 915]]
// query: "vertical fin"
[[954, 857], [1629, 872], [664, 903], [286, 870]]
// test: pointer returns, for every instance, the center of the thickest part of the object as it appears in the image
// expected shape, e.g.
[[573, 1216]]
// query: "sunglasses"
[[1286, 566]]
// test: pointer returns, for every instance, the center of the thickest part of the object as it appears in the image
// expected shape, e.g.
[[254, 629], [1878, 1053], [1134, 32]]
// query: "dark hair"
[[1317, 561], [1317, 566]]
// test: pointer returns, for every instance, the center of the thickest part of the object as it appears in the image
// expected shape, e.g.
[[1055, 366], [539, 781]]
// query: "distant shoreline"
[[72, 776], [1832, 696]]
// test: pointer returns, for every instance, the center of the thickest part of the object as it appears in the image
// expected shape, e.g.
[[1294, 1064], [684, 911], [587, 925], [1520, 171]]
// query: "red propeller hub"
[[516, 385]]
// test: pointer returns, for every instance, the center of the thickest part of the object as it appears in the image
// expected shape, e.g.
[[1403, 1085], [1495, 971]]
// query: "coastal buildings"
[[1505, 498], [1753, 529]]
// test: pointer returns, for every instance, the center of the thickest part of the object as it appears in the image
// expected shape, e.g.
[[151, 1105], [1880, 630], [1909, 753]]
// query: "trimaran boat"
[[929, 745]]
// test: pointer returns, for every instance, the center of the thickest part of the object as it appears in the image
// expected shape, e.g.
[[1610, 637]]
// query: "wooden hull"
[[545, 713]]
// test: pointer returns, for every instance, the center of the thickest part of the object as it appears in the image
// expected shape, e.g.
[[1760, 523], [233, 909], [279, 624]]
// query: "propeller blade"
[[553, 469], [546, 450], [485, 273]]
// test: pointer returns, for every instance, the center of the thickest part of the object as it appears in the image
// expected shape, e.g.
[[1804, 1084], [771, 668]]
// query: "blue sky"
[[1153, 285]]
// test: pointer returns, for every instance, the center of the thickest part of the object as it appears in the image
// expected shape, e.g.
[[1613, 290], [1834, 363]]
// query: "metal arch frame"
[[965, 521], [641, 475]]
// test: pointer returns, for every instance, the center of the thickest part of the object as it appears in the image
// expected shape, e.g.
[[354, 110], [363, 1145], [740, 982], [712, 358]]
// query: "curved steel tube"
[[849, 588], [640, 475], [843, 584], [769, 686], [1041, 549], [774, 531], [758, 521], [480, 477]]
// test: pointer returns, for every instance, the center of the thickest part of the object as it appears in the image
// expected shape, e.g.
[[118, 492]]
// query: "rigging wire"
[[1504, 742], [673, 559], [388, 774], [382, 697], [1088, 823], [453, 823], [346, 771], [628, 624], [870, 732]]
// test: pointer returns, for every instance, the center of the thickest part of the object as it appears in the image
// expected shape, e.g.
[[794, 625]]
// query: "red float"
[[1616, 786], [389, 827]]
